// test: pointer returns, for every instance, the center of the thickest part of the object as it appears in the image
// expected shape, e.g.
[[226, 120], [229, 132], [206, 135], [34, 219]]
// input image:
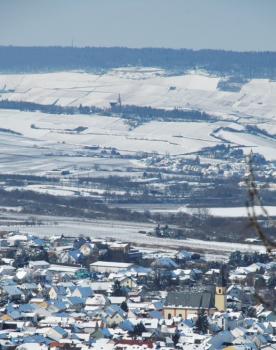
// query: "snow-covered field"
[[227, 212], [255, 103], [143, 87], [35, 143], [129, 232], [47, 141], [45, 144], [63, 190], [230, 212], [162, 137]]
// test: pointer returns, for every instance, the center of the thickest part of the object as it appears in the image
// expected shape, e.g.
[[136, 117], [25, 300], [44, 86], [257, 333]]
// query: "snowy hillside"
[[132, 160], [144, 87], [33, 130]]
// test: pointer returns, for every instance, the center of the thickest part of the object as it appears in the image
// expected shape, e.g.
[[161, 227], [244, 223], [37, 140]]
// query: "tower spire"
[[220, 296]]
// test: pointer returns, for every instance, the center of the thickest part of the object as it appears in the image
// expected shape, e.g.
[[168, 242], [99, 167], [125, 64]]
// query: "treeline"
[[207, 228], [35, 203], [35, 59], [51, 109], [245, 259], [135, 113], [145, 114]]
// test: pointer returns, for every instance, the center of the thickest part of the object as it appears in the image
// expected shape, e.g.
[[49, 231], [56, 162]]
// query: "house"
[[267, 316], [101, 333], [103, 287], [40, 302], [118, 251], [16, 239], [32, 345], [11, 292], [56, 292], [76, 303], [82, 292], [96, 300], [117, 300], [133, 344], [73, 256], [69, 270], [184, 256], [109, 267], [7, 270], [128, 282], [114, 315], [36, 242], [40, 264], [220, 340], [57, 333], [164, 263]]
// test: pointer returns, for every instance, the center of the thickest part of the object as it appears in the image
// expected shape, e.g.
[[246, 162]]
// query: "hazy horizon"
[[136, 48], [247, 25]]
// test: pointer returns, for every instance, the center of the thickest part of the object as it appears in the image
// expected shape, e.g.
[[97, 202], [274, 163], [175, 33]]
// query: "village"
[[65, 292]]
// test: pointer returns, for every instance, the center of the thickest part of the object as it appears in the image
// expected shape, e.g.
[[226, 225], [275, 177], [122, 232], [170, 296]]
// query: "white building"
[[109, 267]]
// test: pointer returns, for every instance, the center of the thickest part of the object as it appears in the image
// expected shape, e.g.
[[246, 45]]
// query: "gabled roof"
[[37, 241], [75, 254], [28, 286], [115, 309], [12, 290], [76, 301], [164, 262], [85, 292], [134, 342], [38, 263], [26, 308], [186, 299], [59, 304], [126, 325], [61, 331], [59, 290]]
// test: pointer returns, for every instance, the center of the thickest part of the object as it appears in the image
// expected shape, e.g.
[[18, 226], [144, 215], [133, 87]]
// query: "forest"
[[44, 59]]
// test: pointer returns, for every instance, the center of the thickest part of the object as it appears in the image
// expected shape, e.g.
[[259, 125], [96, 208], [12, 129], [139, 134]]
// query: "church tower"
[[220, 296]]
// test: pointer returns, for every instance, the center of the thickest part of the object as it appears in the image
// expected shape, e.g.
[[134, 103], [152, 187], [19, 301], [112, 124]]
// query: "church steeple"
[[220, 296]]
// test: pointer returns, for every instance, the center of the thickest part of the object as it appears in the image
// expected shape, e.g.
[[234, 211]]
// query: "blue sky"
[[217, 24]]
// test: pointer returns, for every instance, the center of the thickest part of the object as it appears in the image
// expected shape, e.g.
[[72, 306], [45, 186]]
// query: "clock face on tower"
[[86, 250]]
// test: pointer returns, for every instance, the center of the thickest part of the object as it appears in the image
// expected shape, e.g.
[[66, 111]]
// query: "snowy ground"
[[34, 143], [129, 232], [143, 87], [230, 212], [47, 142], [52, 130], [233, 212], [255, 103]]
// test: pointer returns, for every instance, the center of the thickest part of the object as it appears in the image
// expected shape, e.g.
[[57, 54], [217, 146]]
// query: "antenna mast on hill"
[[119, 100]]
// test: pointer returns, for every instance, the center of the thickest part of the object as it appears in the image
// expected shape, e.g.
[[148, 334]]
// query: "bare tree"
[[254, 201], [266, 296]]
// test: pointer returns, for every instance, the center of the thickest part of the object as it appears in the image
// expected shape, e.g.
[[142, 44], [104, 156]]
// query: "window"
[[169, 316]]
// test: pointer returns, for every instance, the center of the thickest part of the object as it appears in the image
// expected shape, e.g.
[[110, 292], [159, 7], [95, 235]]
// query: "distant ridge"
[[40, 59]]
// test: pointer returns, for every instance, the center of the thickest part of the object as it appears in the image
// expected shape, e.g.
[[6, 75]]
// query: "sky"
[[241, 25]]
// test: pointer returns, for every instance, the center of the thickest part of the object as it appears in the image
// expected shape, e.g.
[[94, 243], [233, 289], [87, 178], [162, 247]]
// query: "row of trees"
[[29, 59], [131, 112], [239, 259]]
